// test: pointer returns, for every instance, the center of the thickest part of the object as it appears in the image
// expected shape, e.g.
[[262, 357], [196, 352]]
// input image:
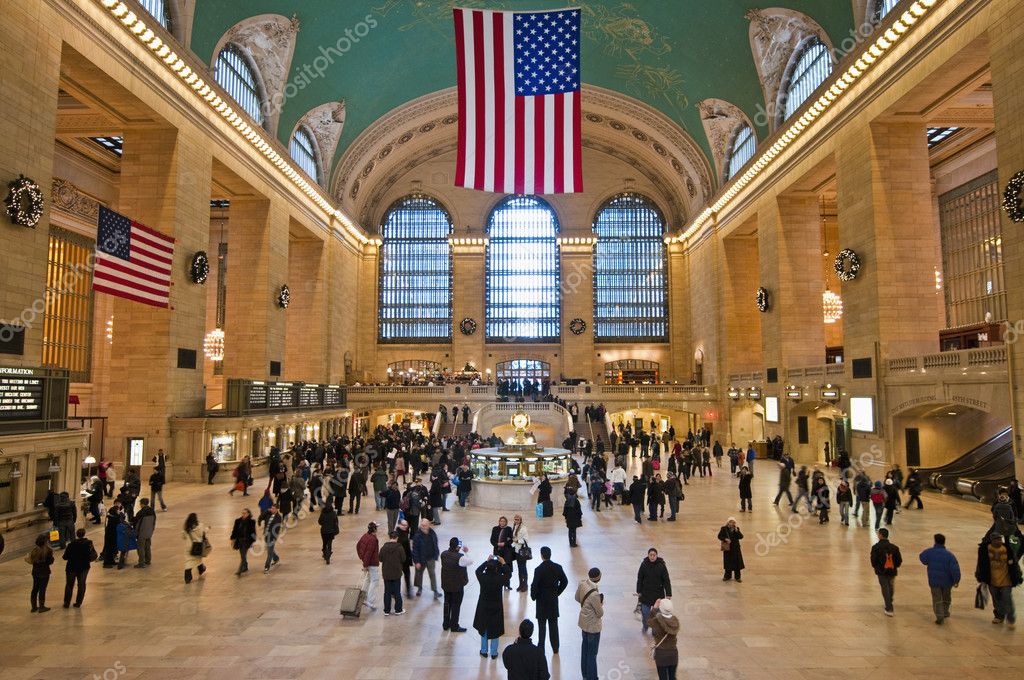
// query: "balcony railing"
[[966, 358], [459, 393]]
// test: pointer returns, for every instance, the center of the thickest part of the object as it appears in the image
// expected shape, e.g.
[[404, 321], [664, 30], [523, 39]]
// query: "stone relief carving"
[[720, 119], [326, 122], [774, 34], [270, 41], [66, 197]]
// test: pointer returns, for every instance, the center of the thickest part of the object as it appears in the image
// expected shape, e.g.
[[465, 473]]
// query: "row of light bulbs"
[[145, 35], [873, 53]]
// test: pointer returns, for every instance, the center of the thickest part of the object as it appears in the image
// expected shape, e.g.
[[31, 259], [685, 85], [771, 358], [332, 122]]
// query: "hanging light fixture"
[[832, 305], [213, 345]]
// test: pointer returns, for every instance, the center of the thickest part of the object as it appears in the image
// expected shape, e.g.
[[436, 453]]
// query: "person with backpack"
[[886, 560], [877, 498], [943, 576], [65, 516], [999, 568]]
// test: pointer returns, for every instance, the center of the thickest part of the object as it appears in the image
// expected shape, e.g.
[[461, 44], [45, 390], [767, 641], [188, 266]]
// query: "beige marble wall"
[[306, 324]]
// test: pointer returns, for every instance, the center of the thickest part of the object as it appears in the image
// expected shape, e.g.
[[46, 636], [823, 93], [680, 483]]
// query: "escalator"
[[985, 459], [984, 481]]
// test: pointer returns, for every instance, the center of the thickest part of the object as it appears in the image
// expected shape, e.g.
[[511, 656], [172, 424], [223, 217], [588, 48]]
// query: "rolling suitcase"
[[352, 602], [549, 509]]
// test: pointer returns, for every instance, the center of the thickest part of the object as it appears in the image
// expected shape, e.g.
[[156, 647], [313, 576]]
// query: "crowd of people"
[[414, 478]]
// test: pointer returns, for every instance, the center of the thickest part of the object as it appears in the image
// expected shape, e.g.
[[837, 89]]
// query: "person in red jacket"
[[368, 549]]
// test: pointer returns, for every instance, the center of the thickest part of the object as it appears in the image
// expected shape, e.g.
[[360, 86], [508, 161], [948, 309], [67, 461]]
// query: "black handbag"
[[197, 549], [525, 552]]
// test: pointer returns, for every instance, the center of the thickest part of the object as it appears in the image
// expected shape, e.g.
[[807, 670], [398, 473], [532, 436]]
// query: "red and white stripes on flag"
[[519, 101], [132, 260]]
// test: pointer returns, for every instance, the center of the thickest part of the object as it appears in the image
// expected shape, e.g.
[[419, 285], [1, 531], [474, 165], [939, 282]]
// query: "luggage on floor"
[[352, 602], [549, 509]]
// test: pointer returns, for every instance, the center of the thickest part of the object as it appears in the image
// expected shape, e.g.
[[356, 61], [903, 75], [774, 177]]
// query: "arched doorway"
[[517, 371]]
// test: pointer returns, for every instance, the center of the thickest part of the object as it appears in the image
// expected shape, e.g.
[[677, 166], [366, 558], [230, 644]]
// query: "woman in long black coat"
[[501, 539], [573, 514], [110, 536], [729, 537], [489, 620]]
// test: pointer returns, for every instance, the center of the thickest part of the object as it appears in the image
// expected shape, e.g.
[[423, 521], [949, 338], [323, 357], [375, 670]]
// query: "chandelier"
[[213, 345], [832, 305]]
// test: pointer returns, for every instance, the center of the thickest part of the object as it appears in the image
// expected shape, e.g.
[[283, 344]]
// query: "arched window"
[[159, 11], [522, 272], [416, 272], [629, 271], [517, 371], [811, 66], [304, 152], [883, 7], [744, 143], [235, 74], [631, 372]]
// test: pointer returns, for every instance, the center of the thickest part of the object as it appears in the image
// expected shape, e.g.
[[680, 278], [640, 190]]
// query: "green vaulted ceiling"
[[670, 54]]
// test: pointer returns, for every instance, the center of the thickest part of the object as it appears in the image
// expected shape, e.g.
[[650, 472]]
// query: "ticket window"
[[224, 448], [8, 487], [45, 480]]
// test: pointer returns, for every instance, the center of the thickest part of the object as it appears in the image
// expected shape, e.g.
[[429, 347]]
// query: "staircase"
[[599, 433]]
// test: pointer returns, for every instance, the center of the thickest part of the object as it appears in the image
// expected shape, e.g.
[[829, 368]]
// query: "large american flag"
[[519, 101], [132, 261]]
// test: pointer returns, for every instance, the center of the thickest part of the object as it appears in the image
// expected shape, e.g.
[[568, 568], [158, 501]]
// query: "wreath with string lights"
[[284, 298], [577, 326], [1012, 203], [762, 299], [467, 326], [847, 265], [200, 268], [24, 202]]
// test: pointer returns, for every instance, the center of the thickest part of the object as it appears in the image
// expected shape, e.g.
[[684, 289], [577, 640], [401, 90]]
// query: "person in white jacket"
[[618, 480], [520, 539]]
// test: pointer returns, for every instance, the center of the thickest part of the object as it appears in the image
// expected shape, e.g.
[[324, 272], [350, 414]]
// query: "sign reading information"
[[21, 394]]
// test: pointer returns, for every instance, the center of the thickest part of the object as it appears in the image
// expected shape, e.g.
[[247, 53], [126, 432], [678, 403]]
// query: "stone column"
[[789, 254], [469, 272], [165, 185], [681, 364], [885, 215], [30, 63], [1006, 49], [254, 324], [577, 283], [306, 329], [342, 290], [741, 348], [367, 311]]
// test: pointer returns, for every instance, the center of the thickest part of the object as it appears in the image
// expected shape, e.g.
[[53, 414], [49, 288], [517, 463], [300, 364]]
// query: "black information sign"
[[281, 396], [257, 396], [253, 396], [309, 396], [21, 394]]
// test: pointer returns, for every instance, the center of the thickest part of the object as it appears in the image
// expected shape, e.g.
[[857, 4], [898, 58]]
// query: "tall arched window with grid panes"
[[236, 74], [304, 152], [744, 143], [523, 300], [415, 304], [630, 281], [809, 67]]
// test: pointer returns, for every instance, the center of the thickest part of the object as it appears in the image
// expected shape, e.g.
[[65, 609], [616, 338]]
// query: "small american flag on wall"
[[132, 260], [519, 101]]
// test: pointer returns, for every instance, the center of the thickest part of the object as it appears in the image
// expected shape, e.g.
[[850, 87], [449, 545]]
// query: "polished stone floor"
[[808, 607]]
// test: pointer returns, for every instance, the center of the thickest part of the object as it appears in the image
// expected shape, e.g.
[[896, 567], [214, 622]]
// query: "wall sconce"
[[794, 393], [15, 470], [734, 393], [754, 394], [54, 465]]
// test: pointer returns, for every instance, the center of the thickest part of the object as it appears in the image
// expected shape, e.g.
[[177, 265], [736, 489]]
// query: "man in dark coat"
[[489, 620], [549, 580], [523, 659], [637, 492], [454, 578], [652, 584], [329, 528], [573, 514], [732, 554], [79, 555]]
